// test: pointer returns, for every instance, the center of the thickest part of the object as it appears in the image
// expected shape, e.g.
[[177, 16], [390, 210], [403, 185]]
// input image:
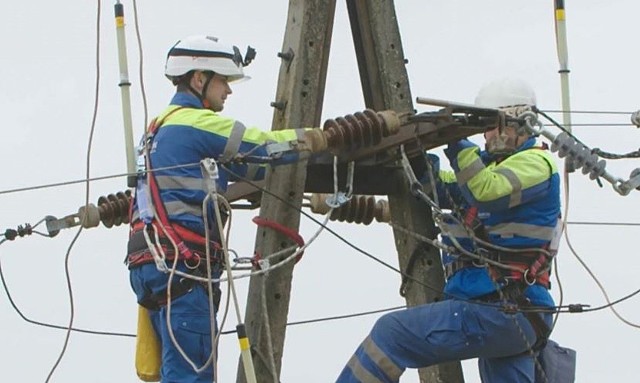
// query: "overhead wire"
[[575, 253], [88, 172], [126, 174]]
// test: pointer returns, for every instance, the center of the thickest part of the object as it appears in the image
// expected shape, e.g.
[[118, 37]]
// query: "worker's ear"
[[197, 80]]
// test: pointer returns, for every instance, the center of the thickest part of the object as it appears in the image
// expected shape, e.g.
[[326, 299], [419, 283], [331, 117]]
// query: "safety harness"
[[191, 246], [523, 269]]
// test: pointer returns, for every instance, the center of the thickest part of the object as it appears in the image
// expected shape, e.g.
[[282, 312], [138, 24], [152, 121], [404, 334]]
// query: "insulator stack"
[[114, 208], [361, 129], [582, 157], [359, 209]]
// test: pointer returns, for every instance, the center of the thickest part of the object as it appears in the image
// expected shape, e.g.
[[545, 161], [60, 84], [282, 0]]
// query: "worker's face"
[[505, 141], [217, 91]]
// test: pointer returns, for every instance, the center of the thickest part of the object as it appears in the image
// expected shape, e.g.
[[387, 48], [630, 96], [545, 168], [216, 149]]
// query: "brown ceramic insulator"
[[359, 209], [114, 208], [361, 129]]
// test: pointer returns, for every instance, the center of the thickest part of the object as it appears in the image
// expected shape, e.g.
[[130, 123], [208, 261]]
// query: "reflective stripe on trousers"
[[441, 332]]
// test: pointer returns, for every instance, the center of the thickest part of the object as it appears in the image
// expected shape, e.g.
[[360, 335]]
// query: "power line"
[[603, 223], [587, 111]]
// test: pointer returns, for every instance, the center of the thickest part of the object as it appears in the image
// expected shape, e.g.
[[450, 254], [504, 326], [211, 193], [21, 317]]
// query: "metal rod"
[[125, 94]]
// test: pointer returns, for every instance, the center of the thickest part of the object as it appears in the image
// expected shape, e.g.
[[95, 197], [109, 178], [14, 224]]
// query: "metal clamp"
[[209, 170]]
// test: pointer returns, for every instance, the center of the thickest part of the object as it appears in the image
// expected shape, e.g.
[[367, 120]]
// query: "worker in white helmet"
[[505, 204], [188, 130]]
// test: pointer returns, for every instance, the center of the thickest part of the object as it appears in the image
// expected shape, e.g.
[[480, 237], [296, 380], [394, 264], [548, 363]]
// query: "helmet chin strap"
[[202, 95]]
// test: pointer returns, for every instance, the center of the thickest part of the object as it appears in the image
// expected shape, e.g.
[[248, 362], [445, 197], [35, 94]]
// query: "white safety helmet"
[[505, 93], [204, 53]]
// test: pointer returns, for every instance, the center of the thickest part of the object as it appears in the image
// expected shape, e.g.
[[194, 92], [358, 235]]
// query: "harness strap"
[[161, 211], [138, 252], [532, 267], [158, 300]]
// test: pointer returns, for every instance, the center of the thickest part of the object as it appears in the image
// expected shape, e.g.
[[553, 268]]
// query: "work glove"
[[315, 140], [454, 148]]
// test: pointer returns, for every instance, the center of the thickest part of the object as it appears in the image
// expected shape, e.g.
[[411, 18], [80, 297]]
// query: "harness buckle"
[[525, 277], [194, 262]]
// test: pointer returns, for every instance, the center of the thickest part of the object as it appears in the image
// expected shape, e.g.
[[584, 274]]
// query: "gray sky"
[[453, 47]]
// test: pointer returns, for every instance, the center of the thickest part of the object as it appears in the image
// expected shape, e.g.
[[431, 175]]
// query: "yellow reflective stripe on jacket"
[[212, 122]]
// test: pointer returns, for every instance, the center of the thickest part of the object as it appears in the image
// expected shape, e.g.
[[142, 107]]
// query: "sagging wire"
[[210, 168], [566, 233], [358, 249], [88, 172], [140, 62], [335, 201], [159, 257], [49, 325], [573, 308], [610, 305], [334, 318]]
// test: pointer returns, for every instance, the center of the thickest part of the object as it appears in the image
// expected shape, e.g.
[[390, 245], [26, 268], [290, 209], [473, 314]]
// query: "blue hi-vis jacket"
[[193, 133], [518, 202]]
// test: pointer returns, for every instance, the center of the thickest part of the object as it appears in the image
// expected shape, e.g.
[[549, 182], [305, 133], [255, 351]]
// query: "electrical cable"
[[610, 304], [88, 168], [356, 248], [599, 124], [333, 318], [585, 111], [603, 223], [49, 325], [93, 179], [140, 62]]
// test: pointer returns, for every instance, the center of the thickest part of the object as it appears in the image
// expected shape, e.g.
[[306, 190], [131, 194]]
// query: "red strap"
[[163, 217], [470, 216], [294, 236]]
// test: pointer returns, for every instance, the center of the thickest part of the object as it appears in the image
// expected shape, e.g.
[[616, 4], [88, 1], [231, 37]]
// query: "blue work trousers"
[[189, 322], [441, 332]]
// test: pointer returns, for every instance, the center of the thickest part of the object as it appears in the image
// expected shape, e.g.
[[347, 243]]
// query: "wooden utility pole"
[[299, 98], [300, 93], [385, 85]]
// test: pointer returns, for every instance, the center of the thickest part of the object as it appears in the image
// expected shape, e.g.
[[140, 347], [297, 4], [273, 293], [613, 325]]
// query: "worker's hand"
[[454, 148], [315, 140]]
